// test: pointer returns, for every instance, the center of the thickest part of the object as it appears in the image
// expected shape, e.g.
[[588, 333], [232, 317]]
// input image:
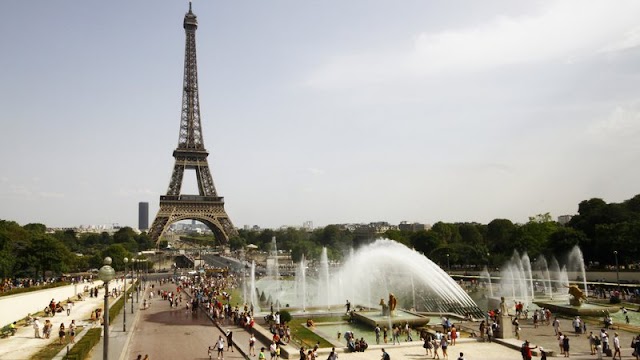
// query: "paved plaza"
[[163, 332]]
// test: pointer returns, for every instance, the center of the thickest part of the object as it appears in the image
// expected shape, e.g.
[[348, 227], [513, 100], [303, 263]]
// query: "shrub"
[[285, 316], [82, 348]]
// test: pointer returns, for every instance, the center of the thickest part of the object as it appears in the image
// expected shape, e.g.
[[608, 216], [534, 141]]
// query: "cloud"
[[622, 123], [51, 195], [315, 171], [564, 32], [134, 192]]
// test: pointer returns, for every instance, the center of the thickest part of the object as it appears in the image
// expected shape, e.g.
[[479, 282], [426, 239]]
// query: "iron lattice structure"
[[190, 154]]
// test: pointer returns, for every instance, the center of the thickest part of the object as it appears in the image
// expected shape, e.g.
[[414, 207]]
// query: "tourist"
[[461, 357], [592, 343], [526, 350], [543, 353], [377, 331], [616, 346], [230, 340], [333, 355], [384, 334], [444, 344], [220, 347], [272, 350], [516, 327], [36, 328], [68, 307], [252, 345], [396, 334], [604, 336], [565, 346], [348, 306], [556, 326], [636, 347], [427, 345], [482, 330], [385, 355], [261, 356], [436, 346], [454, 335], [61, 333], [576, 325], [72, 331], [303, 356], [46, 330]]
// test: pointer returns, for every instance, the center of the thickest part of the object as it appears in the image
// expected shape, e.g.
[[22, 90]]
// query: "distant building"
[[564, 219], [307, 225], [143, 216], [413, 227]]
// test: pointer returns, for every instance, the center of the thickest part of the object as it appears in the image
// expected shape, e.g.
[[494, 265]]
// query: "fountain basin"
[[401, 317], [582, 310]]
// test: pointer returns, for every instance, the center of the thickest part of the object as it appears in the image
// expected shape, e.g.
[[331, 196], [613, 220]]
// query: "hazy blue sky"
[[333, 111]]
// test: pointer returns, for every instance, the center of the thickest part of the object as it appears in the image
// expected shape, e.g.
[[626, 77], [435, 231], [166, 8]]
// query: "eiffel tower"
[[190, 154]]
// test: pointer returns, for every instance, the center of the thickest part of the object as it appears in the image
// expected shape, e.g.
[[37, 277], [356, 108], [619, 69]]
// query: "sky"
[[331, 111]]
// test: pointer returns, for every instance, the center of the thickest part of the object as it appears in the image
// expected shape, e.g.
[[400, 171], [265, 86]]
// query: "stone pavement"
[[24, 345], [119, 339]]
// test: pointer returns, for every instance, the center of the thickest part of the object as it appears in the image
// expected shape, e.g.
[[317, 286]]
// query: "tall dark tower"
[[190, 154], [143, 216]]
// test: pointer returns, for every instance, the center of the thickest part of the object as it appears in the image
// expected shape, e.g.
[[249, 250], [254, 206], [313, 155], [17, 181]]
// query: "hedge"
[[33, 288], [82, 348]]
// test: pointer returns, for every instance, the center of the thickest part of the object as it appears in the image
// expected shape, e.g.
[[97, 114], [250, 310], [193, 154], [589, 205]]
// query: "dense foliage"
[[599, 228], [30, 251]]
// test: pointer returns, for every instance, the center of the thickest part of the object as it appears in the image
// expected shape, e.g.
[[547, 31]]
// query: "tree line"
[[599, 229], [30, 251]]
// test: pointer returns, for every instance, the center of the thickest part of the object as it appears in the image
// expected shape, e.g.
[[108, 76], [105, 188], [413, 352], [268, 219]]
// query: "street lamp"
[[106, 274], [615, 253], [138, 280], [124, 321], [448, 266]]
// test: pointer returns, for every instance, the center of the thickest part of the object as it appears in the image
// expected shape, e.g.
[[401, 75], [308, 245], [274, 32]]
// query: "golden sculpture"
[[577, 295]]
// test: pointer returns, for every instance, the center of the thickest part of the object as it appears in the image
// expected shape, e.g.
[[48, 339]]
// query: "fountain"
[[372, 273], [546, 283]]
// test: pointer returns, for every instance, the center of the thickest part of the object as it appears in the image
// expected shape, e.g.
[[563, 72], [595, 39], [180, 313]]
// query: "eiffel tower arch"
[[206, 207]]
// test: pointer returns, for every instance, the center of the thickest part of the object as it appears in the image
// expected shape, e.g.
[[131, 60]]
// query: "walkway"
[[24, 345]]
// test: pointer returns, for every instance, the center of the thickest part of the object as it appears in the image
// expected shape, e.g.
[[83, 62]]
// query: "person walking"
[[220, 347], [68, 307], [444, 344], [36, 328], [616, 346], [229, 340], [61, 333], [565, 346], [72, 331], [333, 355], [252, 345], [377, 331]]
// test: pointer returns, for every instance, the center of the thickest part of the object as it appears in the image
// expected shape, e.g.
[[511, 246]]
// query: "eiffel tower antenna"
[[191, 154]]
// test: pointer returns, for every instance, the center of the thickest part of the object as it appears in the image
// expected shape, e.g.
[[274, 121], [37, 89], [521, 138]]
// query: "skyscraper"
[[143, 216]]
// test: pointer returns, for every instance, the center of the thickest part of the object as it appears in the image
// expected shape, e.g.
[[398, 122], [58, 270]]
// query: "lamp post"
[[138, 281], [615, 253], [448, 266], [106, 273], [124, 313], [131, 295]]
